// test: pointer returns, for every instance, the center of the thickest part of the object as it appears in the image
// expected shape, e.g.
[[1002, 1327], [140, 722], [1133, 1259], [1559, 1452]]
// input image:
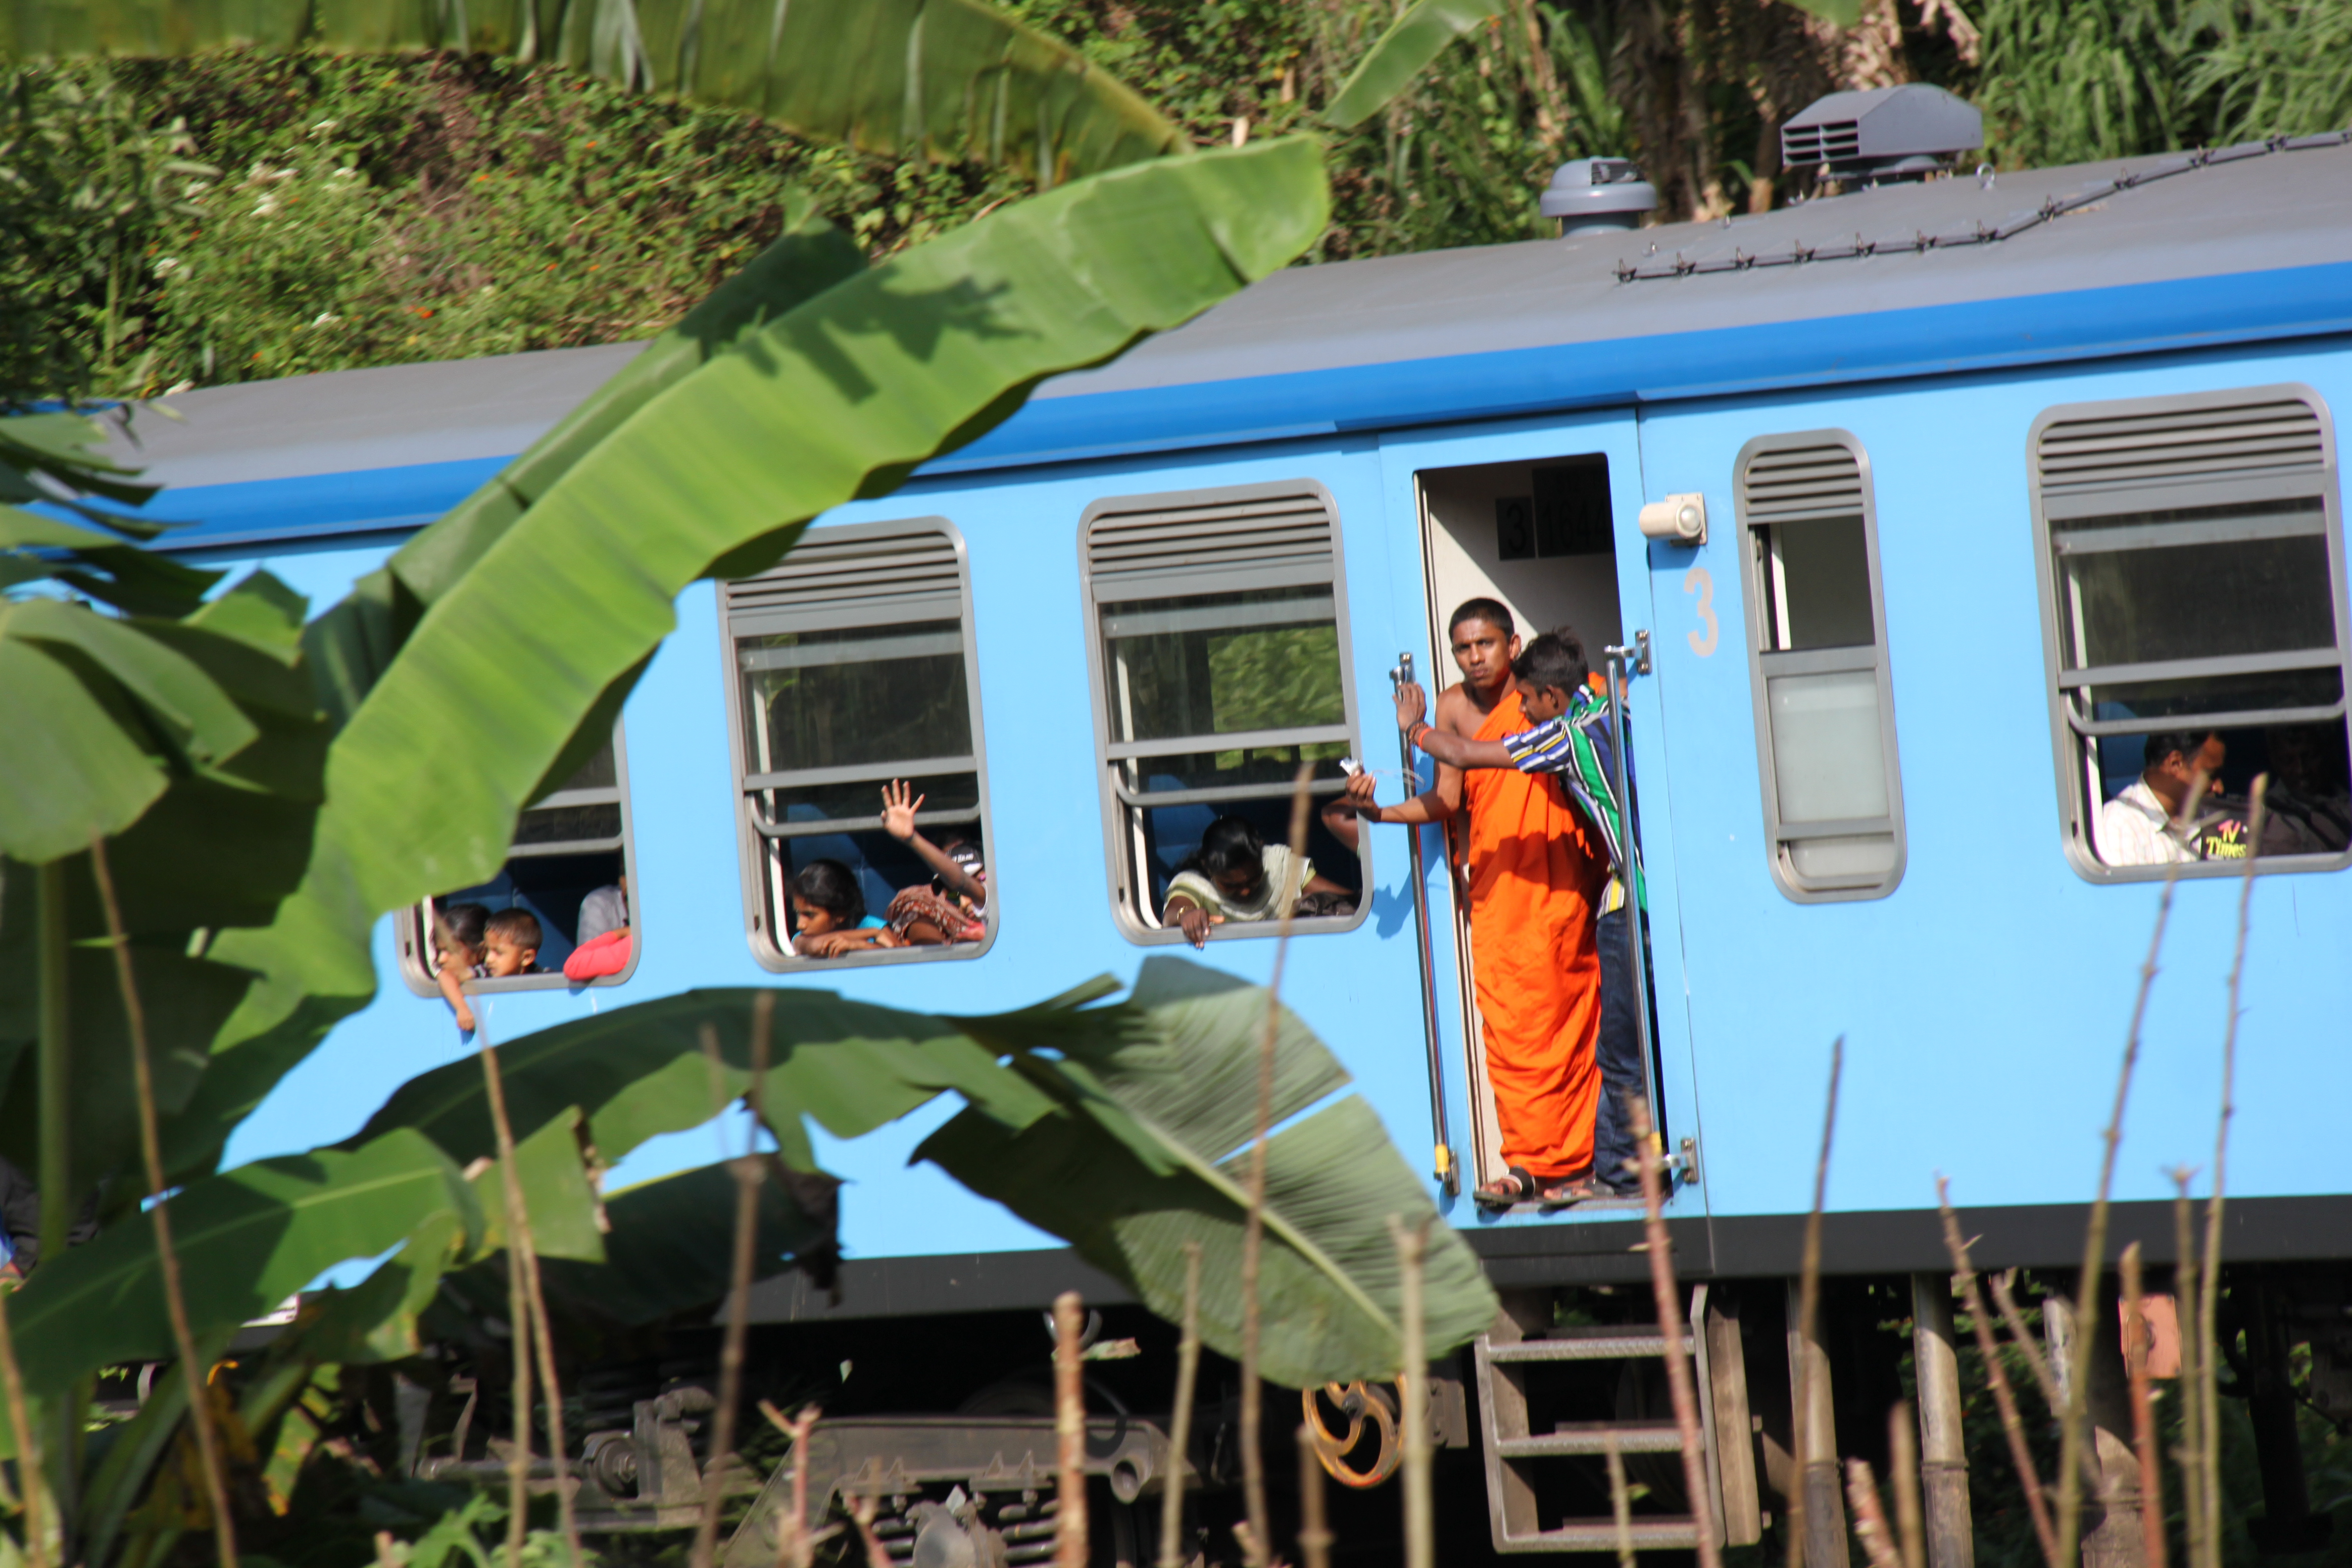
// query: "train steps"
[[1514, 1360]]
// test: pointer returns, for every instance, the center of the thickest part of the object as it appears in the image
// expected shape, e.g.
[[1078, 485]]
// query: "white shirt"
[[2132, 830]]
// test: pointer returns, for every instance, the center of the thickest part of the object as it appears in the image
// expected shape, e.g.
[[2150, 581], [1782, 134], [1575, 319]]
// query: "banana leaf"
[[943, 79], [671, 1250], [840, 396], [639, 1071], [1149, 1148], [1122, 1128], [1399, 56], [246, 1239]]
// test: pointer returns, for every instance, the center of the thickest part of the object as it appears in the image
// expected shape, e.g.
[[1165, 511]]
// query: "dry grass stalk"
[[1809, 1303], [176, 1301], [1870, 1516], [28, 1449], [519, 1314], [2073, 1449], [2137, 1345], [527, 1309], [862, 1513], [2004, 1294], [1179, 1426], [747, 1172], [1412, 1382], [1314, 1530], [1621, 1500], [1070, 1537], [2195, 1349], [1675, 1328], [2004, 1398], [1255, 1545], [2209, 1470], [1903, 1446], [2002, 1286], [795, 1548], [543, 1339]]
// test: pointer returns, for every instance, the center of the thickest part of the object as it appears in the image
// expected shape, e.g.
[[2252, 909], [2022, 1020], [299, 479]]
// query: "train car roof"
[[2240, 244]]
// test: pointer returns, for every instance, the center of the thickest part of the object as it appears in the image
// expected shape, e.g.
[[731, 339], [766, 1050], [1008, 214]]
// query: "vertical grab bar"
[[1637, 925], [1448, 1172]]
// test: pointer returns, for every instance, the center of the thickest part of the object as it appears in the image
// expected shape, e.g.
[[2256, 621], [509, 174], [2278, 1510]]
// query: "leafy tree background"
[[249, 215]]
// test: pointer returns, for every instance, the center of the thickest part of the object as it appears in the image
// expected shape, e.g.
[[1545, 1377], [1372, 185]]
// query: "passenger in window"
[[2309, 804], [457, 955], [1536, 873], [829, 913], [1234, 875], [602, 941], [954, 907], [2138, 827], [510, 944]]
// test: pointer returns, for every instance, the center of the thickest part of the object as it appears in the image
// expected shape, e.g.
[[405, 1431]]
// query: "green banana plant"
[[949, 79], [1423, 32], [257, 821]]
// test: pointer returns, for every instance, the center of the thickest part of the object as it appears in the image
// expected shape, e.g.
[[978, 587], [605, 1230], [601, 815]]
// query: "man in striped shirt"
[[1573, 741]]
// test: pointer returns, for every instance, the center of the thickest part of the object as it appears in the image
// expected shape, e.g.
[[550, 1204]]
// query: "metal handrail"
[[769, 827], [1152, 799]]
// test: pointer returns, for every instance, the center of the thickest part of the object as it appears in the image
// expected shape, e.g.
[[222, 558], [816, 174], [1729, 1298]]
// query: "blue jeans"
[[1620, 1053]]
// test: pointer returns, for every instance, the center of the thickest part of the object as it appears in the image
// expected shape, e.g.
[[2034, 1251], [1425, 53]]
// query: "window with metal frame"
[[1817, 657], [850, 665], [2190, 551], [1217, 633], [571, 867]]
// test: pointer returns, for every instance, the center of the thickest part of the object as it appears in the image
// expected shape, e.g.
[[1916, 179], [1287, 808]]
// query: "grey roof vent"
[[1597, 196], [1887, 134]]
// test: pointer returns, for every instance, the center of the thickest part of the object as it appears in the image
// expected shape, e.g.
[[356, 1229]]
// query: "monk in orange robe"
[[1537, 875]]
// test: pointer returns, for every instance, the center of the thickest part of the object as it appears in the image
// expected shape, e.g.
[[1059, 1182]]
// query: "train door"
[[1537, 535]]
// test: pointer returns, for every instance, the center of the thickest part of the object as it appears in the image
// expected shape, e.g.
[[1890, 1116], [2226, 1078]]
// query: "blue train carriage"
[[1919, 508]]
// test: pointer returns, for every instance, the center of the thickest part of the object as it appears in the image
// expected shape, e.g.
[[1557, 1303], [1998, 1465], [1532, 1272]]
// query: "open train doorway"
[[1536, 536]]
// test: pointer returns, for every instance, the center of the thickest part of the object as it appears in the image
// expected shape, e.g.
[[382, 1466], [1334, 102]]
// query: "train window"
[[849, 666], [2192, 558], [1217, 632], [570, 870], [1817, 654]]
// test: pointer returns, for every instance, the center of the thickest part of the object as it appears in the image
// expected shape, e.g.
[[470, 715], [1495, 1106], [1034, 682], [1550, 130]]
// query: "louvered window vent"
[[2181, 446], [882, 577], [1803, 483], [1273, 541]]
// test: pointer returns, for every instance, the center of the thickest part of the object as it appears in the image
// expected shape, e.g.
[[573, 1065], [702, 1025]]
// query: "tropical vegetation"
[[203, 812], [259, 213]]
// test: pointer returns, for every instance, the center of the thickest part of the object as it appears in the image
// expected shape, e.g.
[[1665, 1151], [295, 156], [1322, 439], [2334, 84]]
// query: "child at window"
[[1236, 875], [829, 910], [954, 907], [510, 944], [457, 955]]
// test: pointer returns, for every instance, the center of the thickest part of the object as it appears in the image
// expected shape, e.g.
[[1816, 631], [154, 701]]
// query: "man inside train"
[[1536, 873], [1573, 740], [2136, 827]]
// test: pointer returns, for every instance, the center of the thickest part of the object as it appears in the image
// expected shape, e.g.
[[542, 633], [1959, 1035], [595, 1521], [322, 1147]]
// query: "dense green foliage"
[[248, 216]]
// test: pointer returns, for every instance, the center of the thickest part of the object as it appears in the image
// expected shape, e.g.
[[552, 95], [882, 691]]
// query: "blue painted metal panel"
[[1984, 1002], [1929, 340]]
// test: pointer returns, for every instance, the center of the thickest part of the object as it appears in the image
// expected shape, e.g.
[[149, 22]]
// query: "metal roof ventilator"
[[1597, 196], [1885, 134]]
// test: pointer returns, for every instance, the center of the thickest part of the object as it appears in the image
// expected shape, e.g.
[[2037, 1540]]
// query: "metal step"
[[1601, 1535], [1504, 1362], [1586, 1344], [1592, 1437]]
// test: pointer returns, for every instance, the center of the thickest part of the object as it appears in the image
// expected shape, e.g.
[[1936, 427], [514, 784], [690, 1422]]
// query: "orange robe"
[[1537, 875]]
